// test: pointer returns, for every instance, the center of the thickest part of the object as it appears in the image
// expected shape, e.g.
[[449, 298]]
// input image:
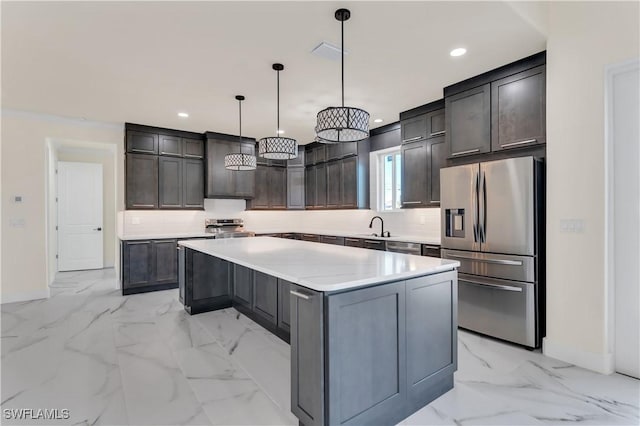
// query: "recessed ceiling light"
[[280, 132], [183, 114], [458, 52], [378, 120]]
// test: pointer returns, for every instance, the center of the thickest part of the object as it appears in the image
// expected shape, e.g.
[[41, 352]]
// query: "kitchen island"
[[373, 334]]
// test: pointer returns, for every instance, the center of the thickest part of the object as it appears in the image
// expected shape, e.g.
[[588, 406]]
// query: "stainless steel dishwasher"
[[406, 248]]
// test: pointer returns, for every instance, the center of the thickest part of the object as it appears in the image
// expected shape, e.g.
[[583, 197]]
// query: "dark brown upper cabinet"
[[223, 183], [415, 180], [468, 121], [141, 181], [170, 145], [270, 189], [295, 188], [170, 188], [337, 151], [436, 159], [141, 142], [436, 123], [334, 184], [518, 110], [193, 184], [414, 129], [193, 148], [315, 153]]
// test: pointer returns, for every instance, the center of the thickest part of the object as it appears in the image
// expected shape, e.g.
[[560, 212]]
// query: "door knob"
[[97, 229]]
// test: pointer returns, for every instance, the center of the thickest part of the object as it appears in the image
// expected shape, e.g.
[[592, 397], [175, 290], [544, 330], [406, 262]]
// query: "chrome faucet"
[[382, 233]]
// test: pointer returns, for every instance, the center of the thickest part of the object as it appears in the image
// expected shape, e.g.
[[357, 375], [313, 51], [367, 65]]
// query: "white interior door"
[[626, 216], [79, 216]]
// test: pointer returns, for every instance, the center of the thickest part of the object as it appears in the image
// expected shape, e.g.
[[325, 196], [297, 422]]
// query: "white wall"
[[583, 37], [24, 172]]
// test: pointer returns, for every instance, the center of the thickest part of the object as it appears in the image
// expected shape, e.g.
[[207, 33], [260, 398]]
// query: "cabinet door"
[[243, 285], [437, 157], [165, 261], [518, 110], [170, 145], [431, 319], [307, 356], [210, 277], [332, 239], [349, 149], [309, 156], [414, 174], [295, 188], [170, 182], [299, 160], [310, 237], [310, 186], [334, 184], [468, 121], [320, 153], [193, 181], [435, 123], [137, 264], [354, 242], [142, 142], [414, 129], [374, 245], [142, 181], [350, 182], [321, 185], [220, 181], [284, 305], [245, 180], [278, 188], [366, 355], [265, 297], [334, 151], [193, 148], [261, 194]]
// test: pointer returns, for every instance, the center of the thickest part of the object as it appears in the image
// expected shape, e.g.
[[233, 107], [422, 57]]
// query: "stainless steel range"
[[227, 228]]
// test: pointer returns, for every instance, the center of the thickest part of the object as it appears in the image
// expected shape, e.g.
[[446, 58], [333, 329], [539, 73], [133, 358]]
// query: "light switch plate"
[[572, 225]]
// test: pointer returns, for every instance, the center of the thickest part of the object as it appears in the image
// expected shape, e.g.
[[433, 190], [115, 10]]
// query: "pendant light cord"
[[240, 114], [342, 51], [278, 103]]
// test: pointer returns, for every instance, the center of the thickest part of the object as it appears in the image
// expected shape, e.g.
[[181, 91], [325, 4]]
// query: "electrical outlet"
[[135, 220]]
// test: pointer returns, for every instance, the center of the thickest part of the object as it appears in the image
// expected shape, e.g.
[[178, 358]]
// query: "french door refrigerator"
[[493, 224]]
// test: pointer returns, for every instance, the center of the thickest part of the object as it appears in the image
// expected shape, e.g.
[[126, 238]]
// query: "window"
[[390, 181]]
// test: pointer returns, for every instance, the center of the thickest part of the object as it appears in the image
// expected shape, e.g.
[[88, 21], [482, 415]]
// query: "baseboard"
[[600, 363], [24, 297]]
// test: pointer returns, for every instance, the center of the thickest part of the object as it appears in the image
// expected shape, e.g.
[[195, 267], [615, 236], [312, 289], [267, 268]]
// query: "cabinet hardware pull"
[[441, 132], [353, 240], [373, 242], [411, 202], [506, 145], [300, 295], [465, 152], [193, 156], [415, 138], [495, 261]]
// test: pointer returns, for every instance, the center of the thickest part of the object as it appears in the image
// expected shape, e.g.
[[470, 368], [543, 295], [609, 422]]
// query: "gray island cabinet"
[[372, 334]]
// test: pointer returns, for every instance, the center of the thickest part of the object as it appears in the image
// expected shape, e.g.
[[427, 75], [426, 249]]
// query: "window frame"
[[381, 156]]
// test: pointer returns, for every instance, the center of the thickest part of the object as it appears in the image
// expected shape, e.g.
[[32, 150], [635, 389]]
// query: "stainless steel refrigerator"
[[493, 224]]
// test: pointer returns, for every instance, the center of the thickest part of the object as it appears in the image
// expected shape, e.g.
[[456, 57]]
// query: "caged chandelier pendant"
[[278, 147], [240, 161], [342, 124]]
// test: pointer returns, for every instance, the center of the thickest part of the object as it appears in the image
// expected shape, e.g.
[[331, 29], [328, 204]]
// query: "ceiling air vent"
[[328, 51]]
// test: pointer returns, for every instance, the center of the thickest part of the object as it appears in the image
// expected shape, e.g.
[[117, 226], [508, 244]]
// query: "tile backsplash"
[[411, 222]]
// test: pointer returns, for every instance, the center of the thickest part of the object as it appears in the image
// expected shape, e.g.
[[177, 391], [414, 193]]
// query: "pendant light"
[[240, 161], [342, 124], [278, 147]]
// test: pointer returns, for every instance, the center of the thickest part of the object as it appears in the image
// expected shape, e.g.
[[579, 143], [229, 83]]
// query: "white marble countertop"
[[166, 236], [321, 267], [403, 238]]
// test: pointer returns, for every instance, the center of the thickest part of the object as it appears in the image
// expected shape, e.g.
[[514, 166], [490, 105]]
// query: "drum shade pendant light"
[[278, 147], [342, 124], [240, 161]]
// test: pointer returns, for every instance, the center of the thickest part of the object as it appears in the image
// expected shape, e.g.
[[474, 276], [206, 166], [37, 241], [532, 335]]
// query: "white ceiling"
[[143, 62]]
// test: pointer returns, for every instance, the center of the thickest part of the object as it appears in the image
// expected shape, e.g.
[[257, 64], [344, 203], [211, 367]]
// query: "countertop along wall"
[[583, 37]]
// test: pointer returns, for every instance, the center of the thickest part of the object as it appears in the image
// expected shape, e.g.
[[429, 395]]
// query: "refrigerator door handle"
[[475, 203], [482, 226]]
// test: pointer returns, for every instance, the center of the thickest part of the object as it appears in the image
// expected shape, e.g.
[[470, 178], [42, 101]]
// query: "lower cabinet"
[[243, 285], [265, 297], [284, 305], [336, 376], [330, 239], [149, 265], [207, 282]]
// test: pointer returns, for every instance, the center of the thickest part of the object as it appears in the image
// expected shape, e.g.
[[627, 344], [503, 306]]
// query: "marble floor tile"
[[142, 360]]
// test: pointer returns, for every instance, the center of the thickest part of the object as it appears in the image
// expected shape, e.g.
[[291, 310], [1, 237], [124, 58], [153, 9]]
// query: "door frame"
[[52, 145], [611, 71]]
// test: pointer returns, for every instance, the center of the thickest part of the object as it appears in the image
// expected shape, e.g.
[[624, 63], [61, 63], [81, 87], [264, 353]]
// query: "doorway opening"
[[81, 208], [622, 215]]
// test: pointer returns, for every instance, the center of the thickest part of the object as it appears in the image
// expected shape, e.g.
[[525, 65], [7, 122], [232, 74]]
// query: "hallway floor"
[[142, 360]]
